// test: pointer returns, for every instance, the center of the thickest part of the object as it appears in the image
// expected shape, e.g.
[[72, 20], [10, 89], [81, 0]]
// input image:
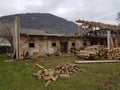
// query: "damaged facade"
[[37, 41]]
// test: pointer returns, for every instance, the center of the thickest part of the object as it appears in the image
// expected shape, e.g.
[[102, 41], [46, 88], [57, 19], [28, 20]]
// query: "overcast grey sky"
[[93, 10]]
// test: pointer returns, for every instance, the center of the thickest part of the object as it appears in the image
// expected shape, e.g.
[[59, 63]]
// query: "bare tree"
[[6, 34]]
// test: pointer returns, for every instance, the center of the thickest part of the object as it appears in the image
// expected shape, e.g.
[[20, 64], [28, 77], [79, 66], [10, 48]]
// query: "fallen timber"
[[98, 61], [61, 71]]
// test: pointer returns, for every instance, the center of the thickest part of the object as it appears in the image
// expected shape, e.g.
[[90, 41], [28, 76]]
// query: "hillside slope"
[[43, 21]]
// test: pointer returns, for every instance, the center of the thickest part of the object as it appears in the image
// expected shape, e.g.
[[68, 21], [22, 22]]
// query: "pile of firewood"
[[93, 52], [62, 71], [67, 67], [84, 54], [98, 52], [114, 54], [100, 49]]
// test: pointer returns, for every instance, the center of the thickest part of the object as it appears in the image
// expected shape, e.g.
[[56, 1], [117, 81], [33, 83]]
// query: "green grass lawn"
[[18, 75]]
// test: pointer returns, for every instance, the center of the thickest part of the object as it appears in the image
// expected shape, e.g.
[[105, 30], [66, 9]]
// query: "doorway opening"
[[63, 47]]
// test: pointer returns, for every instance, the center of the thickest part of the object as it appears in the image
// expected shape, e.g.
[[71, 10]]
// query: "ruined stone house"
[[32, 41]]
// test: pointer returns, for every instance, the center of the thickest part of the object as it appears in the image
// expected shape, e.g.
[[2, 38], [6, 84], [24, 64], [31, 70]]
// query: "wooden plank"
[[98, 61], [117, 39], [17, 36], [111, 42]]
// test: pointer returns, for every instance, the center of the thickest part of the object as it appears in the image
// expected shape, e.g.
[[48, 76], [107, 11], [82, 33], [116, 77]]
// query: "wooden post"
[[79, 33], [47, 47], [108, 39], [17, 36], [117, 39], [111, 42]]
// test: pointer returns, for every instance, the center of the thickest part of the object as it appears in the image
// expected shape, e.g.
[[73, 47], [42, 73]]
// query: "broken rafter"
[[99, 24]]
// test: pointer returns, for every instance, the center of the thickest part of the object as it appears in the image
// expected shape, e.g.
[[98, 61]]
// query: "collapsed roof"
[[98, 25]]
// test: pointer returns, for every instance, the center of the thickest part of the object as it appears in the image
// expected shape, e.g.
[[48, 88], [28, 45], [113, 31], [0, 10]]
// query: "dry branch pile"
[[60, 72], [93, 52], [114, 54]]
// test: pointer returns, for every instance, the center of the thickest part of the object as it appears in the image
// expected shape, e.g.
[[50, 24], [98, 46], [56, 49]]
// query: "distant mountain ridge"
[[43, 21]]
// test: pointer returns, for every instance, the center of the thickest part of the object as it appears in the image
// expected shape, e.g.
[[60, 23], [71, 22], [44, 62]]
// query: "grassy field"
[[18, 75]]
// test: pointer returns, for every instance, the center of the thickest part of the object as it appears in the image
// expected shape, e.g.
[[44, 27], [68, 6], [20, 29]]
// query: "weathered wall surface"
[[44, 45], [24, 45]]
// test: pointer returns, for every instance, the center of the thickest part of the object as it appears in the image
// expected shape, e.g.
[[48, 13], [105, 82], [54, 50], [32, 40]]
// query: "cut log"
[[93, 52], [64, 76], [53, 78], [39, 77], [47, 78], [47, 83], [40, 66], [114, 54], [39, 72], [89, 52], [50, 75]]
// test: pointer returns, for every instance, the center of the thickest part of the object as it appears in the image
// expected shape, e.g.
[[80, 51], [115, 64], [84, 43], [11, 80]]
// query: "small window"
[[31, 45], [84, 44], [73, 44], [93, 42], [53, 44]]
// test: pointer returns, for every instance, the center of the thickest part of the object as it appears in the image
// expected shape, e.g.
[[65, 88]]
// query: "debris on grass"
[[61, 71]]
